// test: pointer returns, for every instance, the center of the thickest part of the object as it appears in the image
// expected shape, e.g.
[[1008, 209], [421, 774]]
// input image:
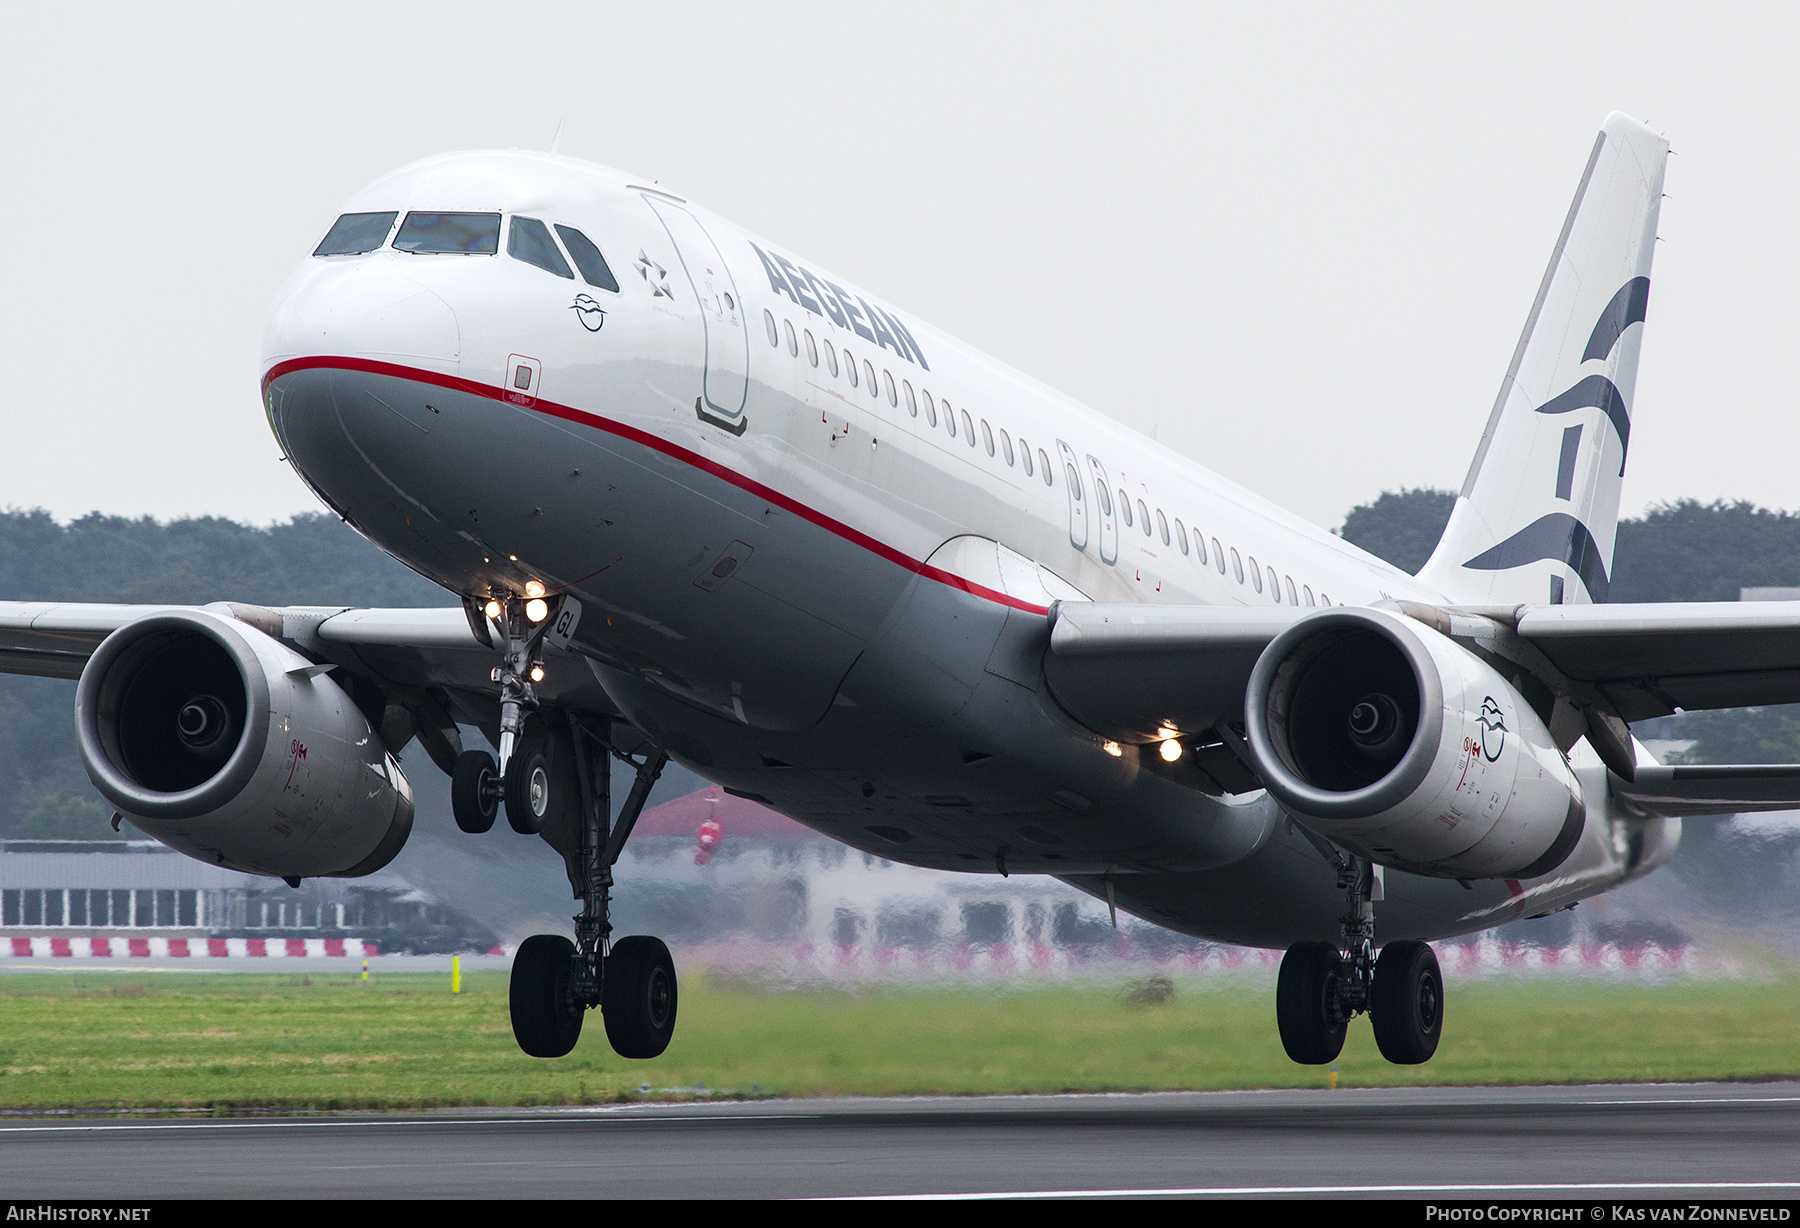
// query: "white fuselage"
[[790, 573]]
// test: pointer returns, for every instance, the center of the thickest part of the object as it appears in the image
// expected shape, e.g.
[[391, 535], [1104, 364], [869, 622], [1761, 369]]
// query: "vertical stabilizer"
[[1535, 519]]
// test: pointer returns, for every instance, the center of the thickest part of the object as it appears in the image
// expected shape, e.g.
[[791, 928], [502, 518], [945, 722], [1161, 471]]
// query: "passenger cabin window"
[[793, 341], [449, 234], [1024, 456], [1293, 598], [950, 419], [1307, 589], [1237, 562], [1181, 537], [769, 323], [930, 408], [831, 358], [968, 428], [1006, 447], [887, 379], [356, 233], [1125, 508], [912, 402], [529, 240], [1043, 466], [987, 436], [850, 367], [869, 374], [1218, 556], [1255, 570], [1162, 526], [812, 349], [594, 269], [1144, 518]]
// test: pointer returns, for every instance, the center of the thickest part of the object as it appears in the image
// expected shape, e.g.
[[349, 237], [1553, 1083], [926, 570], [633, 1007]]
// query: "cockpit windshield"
[[529, 240], [588, 259], [356, 233], [463, 234]]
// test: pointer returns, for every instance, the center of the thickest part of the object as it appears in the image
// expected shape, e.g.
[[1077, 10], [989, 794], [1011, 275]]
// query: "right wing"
[[413, 671]]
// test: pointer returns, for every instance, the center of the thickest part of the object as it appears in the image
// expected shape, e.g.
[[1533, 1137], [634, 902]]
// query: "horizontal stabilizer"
[[1671, 791]]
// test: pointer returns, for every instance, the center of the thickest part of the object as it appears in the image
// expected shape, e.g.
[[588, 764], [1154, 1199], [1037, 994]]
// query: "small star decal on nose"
[[659, 288]]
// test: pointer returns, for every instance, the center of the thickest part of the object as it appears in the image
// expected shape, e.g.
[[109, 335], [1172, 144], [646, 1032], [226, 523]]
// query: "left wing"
[[1140, 674]]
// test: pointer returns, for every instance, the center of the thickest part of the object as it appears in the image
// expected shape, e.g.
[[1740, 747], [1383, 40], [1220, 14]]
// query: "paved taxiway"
[[1654, 1141]]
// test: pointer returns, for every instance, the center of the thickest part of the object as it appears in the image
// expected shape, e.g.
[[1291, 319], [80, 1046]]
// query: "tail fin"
[[1536, 516]]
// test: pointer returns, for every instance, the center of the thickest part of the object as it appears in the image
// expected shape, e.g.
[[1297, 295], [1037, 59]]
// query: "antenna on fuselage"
[[556, 141]]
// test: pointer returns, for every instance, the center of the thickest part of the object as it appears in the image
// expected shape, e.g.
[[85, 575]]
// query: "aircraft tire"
[[546, 1020], [473, 799], [529, 787], [1407, 1002], [1307, 1013], [638, 997]]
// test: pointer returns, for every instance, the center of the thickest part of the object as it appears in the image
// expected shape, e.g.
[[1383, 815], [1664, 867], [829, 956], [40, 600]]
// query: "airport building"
[[93, 888]]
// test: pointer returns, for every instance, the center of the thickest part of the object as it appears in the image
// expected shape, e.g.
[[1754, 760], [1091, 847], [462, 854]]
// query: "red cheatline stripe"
[[648, 440]]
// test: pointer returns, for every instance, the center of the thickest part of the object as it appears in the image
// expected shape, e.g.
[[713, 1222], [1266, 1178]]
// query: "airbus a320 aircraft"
[[704, 500]]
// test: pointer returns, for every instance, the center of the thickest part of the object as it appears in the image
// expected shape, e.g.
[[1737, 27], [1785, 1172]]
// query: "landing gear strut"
[[553, 980], [1324, 985]]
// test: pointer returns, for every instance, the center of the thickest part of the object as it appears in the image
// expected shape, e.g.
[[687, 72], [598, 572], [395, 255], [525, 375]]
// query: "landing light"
[[533, 589], [537, 673], [1112, 748], [537, 609], [1171, 751], [491, 609]]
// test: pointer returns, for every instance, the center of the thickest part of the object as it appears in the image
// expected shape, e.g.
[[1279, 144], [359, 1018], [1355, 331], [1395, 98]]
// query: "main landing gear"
[[1323, 985], [551, 765]]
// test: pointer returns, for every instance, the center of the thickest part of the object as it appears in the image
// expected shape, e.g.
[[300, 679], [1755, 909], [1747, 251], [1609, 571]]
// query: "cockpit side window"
[[529, 240], [462, 234], [588, 259], [356, 233]]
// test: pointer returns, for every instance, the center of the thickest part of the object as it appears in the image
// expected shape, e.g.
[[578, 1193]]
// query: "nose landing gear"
[[1323, 985], [553, 764], [555, 981]]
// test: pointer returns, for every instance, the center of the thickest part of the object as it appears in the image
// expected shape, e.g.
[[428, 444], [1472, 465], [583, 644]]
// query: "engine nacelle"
[[225, 744], [1399, 744]]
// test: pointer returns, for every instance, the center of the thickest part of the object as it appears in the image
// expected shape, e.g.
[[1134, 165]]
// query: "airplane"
[[705, 501]]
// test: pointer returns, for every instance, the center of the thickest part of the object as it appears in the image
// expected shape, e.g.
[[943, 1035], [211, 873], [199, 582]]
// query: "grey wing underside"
[[1136, 673]]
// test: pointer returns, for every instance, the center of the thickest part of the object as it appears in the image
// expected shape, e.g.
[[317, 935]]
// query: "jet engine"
[[1400, 745], [225, 744]]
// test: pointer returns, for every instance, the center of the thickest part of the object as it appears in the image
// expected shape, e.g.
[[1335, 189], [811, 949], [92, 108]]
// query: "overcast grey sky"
[[1302, 239]]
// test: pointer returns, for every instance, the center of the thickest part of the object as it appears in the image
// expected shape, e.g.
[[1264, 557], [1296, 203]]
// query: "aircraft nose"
[[364, 310], [383, 314]]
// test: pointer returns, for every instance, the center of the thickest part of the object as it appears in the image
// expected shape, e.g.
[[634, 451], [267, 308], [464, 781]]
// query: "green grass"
[[331, 1041]]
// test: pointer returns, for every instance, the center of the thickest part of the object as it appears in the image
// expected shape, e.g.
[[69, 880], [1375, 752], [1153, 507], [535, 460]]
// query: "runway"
[[1692, 1141]]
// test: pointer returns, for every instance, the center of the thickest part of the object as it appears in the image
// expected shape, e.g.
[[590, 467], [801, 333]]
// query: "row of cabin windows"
[[471, 234], [785, 335], [1142, 521], [820, 352]]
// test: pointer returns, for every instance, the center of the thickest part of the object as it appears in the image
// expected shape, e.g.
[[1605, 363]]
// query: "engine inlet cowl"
[[1403, 746], [222, 742]]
